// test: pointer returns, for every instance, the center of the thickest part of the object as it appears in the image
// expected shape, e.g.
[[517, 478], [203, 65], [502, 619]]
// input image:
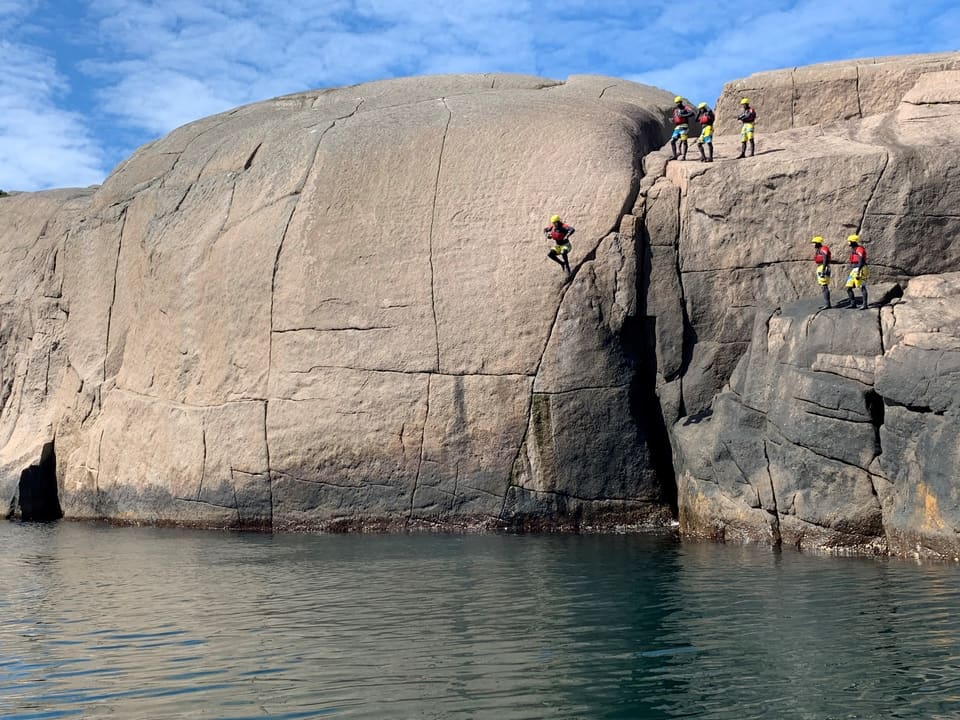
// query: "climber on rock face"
[[681, 116], [706, 119], [858, 273], [747, 116], [559, 233], [821, 257]]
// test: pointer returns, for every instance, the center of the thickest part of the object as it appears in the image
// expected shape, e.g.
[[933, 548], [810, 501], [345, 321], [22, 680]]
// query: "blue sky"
[[83, 84]]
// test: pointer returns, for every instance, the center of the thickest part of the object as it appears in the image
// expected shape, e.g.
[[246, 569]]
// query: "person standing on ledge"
[[706, 119], [747, 116], [681, 116], [858, 273], [821, 256], [559, 233]]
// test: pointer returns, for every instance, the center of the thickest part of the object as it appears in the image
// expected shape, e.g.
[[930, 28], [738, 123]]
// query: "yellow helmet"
[[678, 99], [555, 219], [818, 240], [701, 106], [853, 239], [744, 101]]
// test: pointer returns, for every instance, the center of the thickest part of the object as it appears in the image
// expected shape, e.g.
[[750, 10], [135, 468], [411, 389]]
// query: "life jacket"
[[822, 256], [858, 252], [748, 116], [680, 115], [706, 117], [557, 235]]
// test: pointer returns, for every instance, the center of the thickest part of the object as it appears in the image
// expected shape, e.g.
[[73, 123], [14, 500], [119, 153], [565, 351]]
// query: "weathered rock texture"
[[334, 310]]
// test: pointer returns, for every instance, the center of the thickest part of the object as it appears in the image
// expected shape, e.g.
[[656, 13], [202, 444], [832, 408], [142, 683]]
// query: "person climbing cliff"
[[559, 233], [681, 117], [747, 116], [858, 273], [821, 256], [706, 118]]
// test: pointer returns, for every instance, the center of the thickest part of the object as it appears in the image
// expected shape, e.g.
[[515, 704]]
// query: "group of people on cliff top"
[[559, 232], [682, 115], [857, 277]]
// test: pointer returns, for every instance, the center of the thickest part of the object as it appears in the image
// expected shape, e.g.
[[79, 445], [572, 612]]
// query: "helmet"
[[818, 240], [853, 239], [701, 106], [744, 101], [555, 218], [678, 99]]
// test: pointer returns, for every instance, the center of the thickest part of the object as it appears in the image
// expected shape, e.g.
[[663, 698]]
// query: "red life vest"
[[706, 117], [678, 115], [822, 256], [558, 235], [748, 116], [857, 253]]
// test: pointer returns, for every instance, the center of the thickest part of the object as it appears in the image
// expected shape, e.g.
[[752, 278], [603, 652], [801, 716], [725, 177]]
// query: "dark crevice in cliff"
[[876, 409], [37, 491], [433, 220], [775, 510], [922, 409], [249, 162], [113, 293]]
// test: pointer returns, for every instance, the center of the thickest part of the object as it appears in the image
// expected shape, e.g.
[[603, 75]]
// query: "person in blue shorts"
[[681, 117]]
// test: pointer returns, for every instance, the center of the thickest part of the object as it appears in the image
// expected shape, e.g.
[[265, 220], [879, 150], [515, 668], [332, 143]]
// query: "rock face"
[[787, 427], [333, 310]]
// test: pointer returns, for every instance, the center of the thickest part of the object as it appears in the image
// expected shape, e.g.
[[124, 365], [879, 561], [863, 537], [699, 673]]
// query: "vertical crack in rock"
[[777, 539], [793, 98], [96, 477], [433, 219], [113, 293], [873, 192], [266, 449], [516, 458], [203, 462], [236, 500], [859, 102], [423, 435], [273, 289]]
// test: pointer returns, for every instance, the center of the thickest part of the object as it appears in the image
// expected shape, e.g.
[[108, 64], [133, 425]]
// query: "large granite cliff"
[[334, 310]]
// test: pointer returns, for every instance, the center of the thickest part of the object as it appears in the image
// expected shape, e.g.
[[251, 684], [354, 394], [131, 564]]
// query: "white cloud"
[[41, 145], [798, 33]]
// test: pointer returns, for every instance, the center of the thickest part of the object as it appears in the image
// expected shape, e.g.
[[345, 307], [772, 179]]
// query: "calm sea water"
[[103, 622]]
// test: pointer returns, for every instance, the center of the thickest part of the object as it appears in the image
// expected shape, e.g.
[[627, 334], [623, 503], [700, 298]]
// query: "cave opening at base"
[[37, 495]]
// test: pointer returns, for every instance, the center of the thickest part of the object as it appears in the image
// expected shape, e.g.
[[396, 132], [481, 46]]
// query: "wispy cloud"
[[41, 144], [83, 87], [788, 34]]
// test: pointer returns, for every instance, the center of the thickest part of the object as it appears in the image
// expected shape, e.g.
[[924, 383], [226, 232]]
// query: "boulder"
[[334, 310]]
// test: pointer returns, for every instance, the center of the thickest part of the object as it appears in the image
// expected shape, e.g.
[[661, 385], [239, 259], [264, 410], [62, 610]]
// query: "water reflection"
[[145, 623]]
